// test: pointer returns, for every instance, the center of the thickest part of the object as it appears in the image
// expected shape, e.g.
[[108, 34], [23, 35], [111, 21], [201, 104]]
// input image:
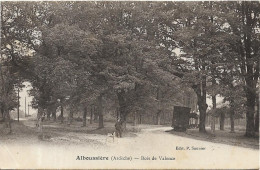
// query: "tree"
[[8, 99], [125, 60], [199, 40], [205, 33], [242, 19], [19, 23], [231, 88], [79, 53]]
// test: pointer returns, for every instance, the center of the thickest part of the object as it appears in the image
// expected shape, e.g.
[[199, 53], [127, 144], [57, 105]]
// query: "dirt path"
[[150, 142]]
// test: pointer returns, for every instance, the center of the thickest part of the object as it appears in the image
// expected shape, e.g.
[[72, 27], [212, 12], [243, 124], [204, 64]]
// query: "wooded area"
[[131, 57]]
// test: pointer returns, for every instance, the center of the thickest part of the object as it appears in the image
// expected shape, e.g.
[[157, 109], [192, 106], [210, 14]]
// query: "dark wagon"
[[181, 116]]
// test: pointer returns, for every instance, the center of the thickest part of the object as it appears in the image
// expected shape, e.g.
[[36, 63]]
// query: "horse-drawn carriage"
[[184, 119]]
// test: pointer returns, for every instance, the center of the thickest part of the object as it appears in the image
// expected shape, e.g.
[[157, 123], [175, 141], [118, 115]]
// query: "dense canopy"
[[137, 56]]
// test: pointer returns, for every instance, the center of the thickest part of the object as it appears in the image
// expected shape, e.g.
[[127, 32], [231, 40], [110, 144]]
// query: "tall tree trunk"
[[95, 114], [232, 113], [85, 116], [49, 113], [158, 117], [70, 116], [122, 107], [100, 121], [117, 114], [91, 115], [135, 118], [2, 111], [257, 114], [222, 121], [100, 113], [214, 103], [250, 123], [18, 105], [8, 121], [53, 112], [140, 119], [232, 122], [54, 115], [7, 117], [40, 117], [158, 114], [200, 90], [250, 65], [61, 113], [202, 110]]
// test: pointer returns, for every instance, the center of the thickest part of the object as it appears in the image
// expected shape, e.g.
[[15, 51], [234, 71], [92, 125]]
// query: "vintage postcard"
[[129, 85]]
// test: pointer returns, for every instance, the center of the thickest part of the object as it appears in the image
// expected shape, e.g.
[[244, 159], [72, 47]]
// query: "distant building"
[[14, 114]]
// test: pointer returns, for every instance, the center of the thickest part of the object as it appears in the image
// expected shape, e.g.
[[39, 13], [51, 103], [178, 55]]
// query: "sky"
[[24, 94]]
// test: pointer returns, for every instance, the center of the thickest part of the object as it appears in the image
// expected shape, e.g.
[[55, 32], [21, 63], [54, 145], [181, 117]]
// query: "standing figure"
[[119, 129]]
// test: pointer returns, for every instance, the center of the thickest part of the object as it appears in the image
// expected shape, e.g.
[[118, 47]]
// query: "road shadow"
[[223, 137]]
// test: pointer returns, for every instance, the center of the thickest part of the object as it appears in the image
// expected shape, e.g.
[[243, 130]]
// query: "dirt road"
[[145, 149]]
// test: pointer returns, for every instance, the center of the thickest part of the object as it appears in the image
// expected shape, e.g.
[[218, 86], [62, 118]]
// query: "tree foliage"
[[76, 53]]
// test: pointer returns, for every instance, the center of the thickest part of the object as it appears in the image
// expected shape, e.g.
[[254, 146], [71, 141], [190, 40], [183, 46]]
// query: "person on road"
[[119, 128]]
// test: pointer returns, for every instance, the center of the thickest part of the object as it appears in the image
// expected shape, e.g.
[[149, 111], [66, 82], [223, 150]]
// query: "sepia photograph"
[[129, 84]]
